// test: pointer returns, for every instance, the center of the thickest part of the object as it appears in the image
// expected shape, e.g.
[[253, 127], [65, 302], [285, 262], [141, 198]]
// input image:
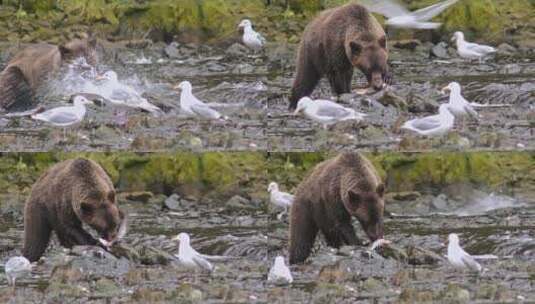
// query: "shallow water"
[[253, 90], [255, 237]]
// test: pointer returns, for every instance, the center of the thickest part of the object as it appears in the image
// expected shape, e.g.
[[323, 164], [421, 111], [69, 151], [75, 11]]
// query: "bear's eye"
[[355, 48], [86, 208], [382, 42], [111, 197], [380, 189], [354, 198]]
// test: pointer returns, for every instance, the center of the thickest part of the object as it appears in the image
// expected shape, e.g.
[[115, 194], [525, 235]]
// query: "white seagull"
[[124, 95], [17, 267], [67, 115], [459, 106], [251, 38], [399, 16], [279, 272], [434, 125], [326, 112], [279, 198], [470, 50], [189, 257], [192, 106], [458, 257]]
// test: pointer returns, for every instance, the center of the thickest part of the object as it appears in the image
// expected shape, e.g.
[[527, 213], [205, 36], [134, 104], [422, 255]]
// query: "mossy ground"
[[248, 173], [215, 20]]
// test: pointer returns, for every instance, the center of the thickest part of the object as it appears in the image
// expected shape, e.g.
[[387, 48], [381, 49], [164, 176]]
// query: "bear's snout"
[[377, 80]]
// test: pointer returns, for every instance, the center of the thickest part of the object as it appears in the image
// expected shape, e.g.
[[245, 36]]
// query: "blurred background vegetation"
[[216, 20], [219, 175]]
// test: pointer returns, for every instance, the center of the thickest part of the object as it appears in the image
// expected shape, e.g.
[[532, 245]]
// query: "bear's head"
[[368, 208], [369, 54], [94, 200], [81, 47]]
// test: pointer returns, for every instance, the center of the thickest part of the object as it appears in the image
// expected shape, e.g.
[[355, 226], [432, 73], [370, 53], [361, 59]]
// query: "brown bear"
[[67, 195], [335, 42], [34, 65], [336, 190]]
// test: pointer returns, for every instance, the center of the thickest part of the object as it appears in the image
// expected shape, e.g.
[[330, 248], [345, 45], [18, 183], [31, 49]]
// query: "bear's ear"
[[382, 42], [380, 189], [356, 48], [354, 198], [86, 208], [64, 51]]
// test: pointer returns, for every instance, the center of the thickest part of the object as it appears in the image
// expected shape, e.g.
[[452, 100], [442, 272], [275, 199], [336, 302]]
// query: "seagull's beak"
[[445, 90], [453, 38], [100, 77], [177, 87], [176, 238], [297, 111]]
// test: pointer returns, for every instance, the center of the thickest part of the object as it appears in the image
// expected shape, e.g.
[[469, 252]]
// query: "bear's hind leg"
[[36, 231]]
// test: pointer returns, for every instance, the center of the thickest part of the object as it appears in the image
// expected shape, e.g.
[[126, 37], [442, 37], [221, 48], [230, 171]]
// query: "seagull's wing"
[[205, 111], [287, 196], [120, 94], [478, 48], [426, 123], [332, 111], [429, 12], [471, 263], [217, 258], [260, 38], [388, 8], [203, 263], [57, 117]]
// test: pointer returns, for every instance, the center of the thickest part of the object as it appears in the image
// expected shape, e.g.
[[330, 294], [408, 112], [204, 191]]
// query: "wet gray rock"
[[280, 57], [440, 50], [506, 49], [441, 203], [172, 51], [393, 252], [243, 68], [91, 262], [421, 256], [455, 294], [512, 68], [173, 202], [106, 288], [390, 98], [149, 255], [237, 50], [238, 202]]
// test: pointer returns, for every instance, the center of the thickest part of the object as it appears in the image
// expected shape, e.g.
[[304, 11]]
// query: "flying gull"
[[398, 16]]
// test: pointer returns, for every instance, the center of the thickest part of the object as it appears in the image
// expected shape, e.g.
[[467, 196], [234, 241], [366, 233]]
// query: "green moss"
[[222, 175]]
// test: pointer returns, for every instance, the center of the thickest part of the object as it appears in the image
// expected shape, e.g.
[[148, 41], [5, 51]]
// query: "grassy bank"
[[215, 20], [225, 174]]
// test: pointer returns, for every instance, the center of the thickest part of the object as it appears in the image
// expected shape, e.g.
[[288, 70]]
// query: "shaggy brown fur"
[[335, 42], [68, 194], [33, 66], [337, 189]]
